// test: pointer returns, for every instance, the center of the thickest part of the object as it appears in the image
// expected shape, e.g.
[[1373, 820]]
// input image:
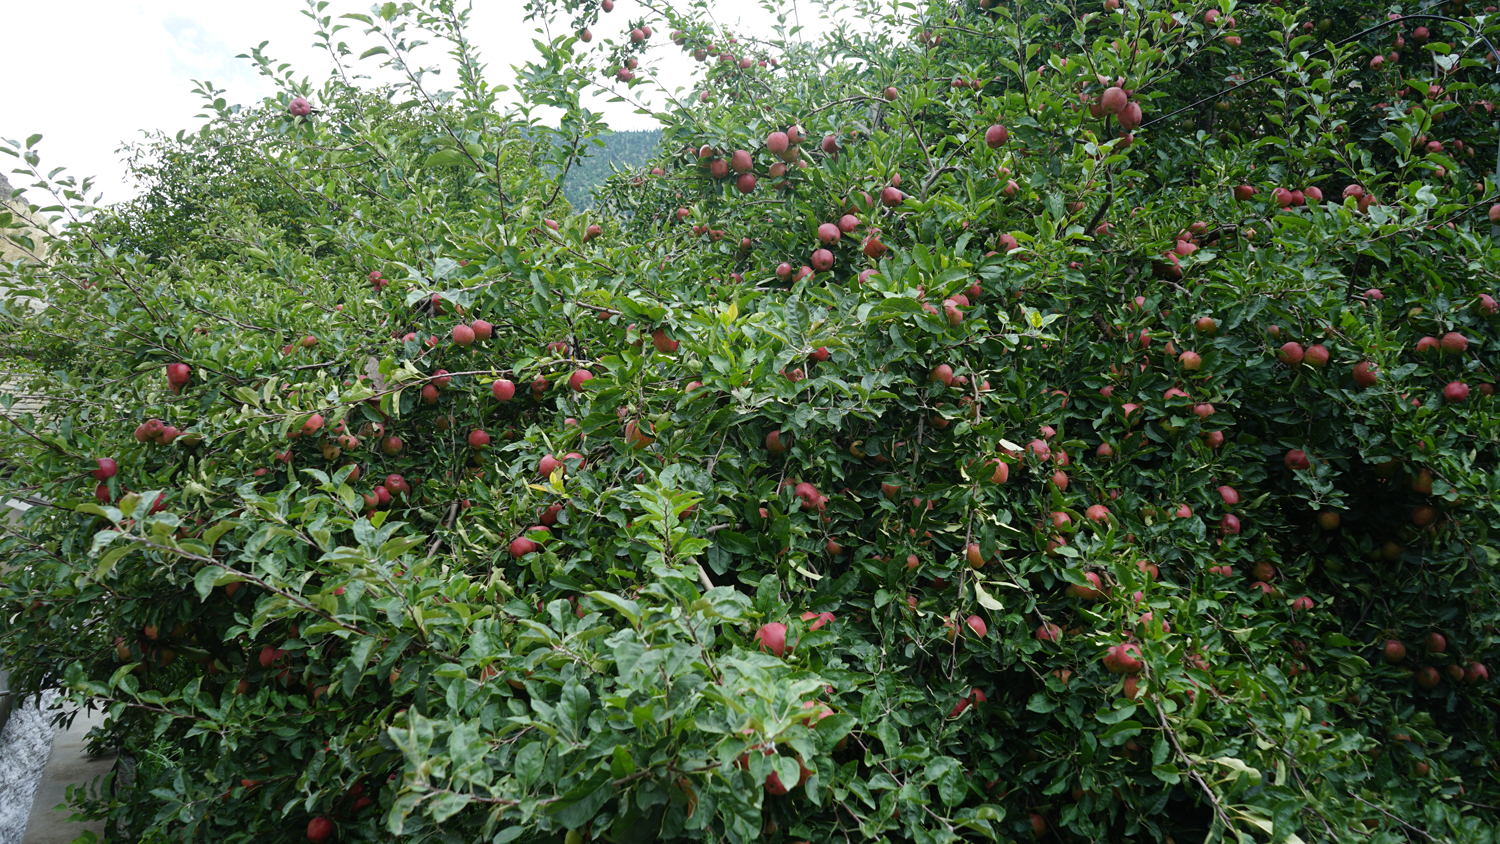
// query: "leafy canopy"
[[970, 425]]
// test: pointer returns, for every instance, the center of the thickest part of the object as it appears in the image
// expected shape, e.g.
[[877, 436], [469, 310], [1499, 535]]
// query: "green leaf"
[[628, 608], [204, 580], [985, 600], [621, 765], [947, 774], [447, 158], [446, 806]]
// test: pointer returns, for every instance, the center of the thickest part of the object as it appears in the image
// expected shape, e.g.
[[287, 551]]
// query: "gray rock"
[[25, 745]]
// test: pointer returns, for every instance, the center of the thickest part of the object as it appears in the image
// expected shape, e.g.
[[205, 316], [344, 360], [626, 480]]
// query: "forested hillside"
[[622, 151]]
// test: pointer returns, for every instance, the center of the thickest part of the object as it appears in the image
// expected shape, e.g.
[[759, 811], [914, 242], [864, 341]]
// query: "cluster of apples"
[[703, 50], [1394, 652], [1455, 344]]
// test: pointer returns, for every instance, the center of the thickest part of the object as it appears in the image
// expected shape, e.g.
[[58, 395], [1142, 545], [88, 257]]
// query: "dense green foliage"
[[1093, 502]]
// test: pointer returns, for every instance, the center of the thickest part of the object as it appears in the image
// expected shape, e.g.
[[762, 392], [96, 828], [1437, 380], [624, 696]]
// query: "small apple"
[[1393, 651], [1087, 593], [774, 443], [179, 375], [772, 637], [662, 342], [1113, 100], [319, 830], [819, 620], [976, 625]]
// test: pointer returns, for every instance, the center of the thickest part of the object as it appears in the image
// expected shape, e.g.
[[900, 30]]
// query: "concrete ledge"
[[68, 764]]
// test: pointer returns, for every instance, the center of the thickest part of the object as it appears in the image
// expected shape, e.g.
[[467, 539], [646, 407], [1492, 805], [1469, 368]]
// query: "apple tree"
[[980, 421]]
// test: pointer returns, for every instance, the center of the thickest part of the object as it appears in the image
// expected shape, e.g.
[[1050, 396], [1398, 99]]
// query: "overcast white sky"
[[90, 75]]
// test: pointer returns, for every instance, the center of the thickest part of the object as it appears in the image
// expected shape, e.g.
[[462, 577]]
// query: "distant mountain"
[[621, 151]]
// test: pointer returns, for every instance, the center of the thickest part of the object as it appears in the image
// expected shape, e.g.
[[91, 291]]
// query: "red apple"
[[463, 335], [973, 555], [1393, 651], [772, 637], [1087, 593], [662, 342], [819, 620], [1454, 343], [1113, 100], [178, 376], [774, 443]]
